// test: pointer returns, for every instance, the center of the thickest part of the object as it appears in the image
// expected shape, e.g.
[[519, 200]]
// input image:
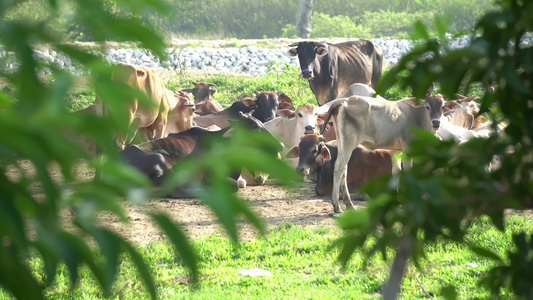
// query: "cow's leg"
[[339, 170], [346, 194]]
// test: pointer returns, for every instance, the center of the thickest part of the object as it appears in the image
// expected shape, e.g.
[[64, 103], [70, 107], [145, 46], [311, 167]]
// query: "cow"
[[180, 118], [201, 91], [203, 98], [140, 115], [332, 68], [370, 121], [264, 108], [193, 141], [317, 159], [153, 165], [356, 89], [290, 128]]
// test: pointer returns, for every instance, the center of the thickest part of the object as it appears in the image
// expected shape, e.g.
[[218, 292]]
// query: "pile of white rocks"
[[249, 60]]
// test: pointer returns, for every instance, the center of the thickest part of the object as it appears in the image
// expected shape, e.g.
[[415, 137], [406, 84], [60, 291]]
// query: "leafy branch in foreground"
[[449, 184], [33, 120]]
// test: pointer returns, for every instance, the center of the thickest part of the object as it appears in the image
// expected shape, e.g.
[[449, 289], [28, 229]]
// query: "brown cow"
[[316, 160], [332, 68], [264, 108], [180, 118], [201, 91], [203, 98], [176, 147], [149, 83], [380, 123]]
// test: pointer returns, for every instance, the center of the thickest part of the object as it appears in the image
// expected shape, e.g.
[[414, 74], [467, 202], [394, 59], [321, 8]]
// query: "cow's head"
[[201, 91], [183, 113], [307, 53], [305, 115], [434, 105], [266, 104], [312, 153]]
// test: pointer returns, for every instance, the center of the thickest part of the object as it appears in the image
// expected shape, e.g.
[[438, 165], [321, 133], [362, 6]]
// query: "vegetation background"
[[428, 207], [250, 19]]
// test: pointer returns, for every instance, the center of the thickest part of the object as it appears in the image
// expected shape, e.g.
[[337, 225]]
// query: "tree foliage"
[[450, 184], [33, 119], [258, 19]]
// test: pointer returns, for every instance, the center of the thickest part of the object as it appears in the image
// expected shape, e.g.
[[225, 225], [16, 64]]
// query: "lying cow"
[[194, 141], [332, 68], [378, 123], [181, 117], [264, 108], [153, 165], [290, 128], [317, 159], [203, 98]]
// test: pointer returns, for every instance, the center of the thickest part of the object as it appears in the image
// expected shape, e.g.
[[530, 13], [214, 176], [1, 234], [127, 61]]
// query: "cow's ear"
[[212, 92], [321, 51], [324, 152], [187, 90], [286, 113], [321, 138], [452, 105], [248, 102], [294, 152], [290, 52], [413, 103]]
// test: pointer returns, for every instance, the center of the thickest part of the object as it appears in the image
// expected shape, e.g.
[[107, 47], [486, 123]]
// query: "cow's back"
[[363, 165]]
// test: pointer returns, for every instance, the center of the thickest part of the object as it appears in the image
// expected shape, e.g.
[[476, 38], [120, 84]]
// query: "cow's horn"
[[256, 93], [194, 83], [294, 44], [211, 84]]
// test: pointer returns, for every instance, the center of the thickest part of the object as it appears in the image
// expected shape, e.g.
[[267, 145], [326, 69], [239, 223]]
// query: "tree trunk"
[[405, 248], [303, 18]]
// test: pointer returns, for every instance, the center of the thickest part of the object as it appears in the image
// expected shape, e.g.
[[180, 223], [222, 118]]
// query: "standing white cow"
[[362, 120]]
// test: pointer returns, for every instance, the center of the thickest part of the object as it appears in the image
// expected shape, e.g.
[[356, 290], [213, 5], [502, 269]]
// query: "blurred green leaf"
[[181, 242]]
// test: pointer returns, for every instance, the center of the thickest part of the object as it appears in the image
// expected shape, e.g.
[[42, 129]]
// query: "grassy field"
[[301, 260], [231, 87], [302, 265]]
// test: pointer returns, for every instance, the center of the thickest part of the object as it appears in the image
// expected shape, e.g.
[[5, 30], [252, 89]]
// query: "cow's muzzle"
[[302, 171], [436, 124], [307, 74]]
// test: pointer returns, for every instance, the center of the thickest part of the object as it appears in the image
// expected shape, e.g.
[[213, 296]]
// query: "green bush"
[[337, 26], [391, 24]]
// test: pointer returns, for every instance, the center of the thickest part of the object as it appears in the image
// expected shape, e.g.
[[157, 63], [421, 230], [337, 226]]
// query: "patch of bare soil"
[[273, 203]]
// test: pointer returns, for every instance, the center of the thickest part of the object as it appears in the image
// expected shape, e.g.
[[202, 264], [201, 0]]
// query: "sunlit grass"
[[303, 265]]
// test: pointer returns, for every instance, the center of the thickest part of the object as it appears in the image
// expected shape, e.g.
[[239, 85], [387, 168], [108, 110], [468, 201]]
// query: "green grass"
[[302, 263], [230, 87]]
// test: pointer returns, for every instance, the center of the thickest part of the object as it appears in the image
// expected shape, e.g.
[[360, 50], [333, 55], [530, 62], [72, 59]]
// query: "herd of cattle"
[[359, 129]]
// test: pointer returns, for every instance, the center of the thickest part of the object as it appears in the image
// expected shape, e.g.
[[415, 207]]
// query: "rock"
[[254, 273]]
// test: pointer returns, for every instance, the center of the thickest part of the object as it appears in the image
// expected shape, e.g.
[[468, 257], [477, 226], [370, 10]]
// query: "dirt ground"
[[273, 203]]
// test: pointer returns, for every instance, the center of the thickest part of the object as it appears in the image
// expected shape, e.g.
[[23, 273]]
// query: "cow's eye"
[[293, 52], [427, 107], [300, 115]]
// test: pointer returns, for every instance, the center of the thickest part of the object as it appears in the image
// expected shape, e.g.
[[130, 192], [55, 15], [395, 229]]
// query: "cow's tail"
[[332, 112]]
